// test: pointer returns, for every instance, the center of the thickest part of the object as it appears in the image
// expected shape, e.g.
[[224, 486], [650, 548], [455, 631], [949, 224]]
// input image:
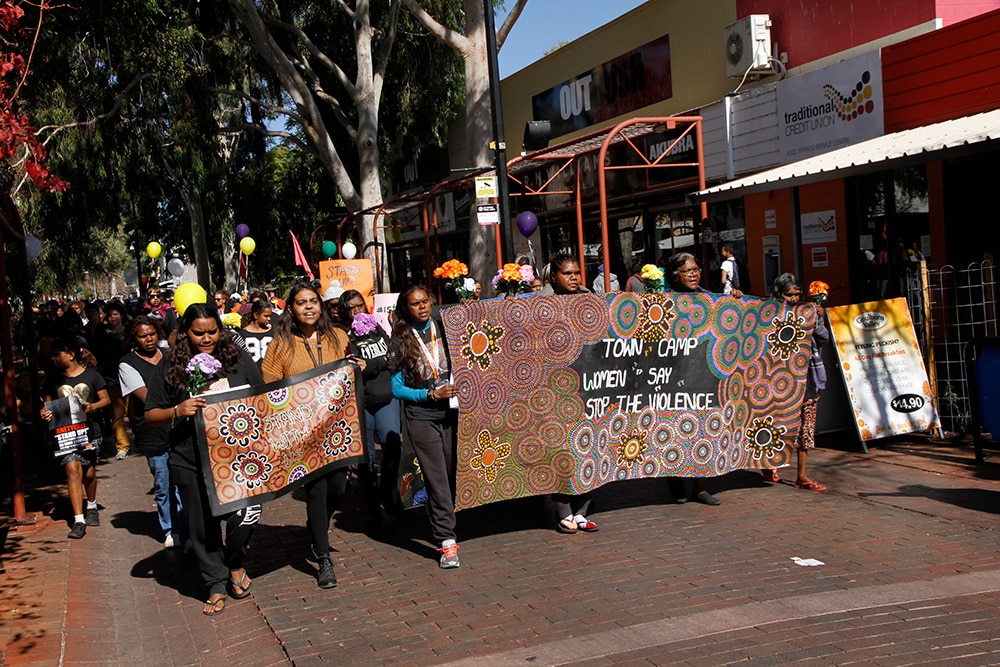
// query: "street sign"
[[488, 214], [486, 187]]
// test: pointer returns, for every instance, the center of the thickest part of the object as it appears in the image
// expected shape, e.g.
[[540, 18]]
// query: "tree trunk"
[[479, 134]]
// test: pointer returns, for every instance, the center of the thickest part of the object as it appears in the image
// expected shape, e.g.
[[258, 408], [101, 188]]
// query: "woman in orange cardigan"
[[305, 338]]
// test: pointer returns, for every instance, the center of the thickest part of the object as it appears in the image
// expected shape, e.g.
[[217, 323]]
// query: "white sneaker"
[[121, 455], [168, 542]]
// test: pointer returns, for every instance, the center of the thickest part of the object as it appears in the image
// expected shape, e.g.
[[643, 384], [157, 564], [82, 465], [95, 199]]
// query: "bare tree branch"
[[452, 38], [107, 114], [509, 22]]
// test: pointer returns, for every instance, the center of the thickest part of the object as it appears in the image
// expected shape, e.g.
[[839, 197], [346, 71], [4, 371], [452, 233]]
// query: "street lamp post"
[[500, 152]]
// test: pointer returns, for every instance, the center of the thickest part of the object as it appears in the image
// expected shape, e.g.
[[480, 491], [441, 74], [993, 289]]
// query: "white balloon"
[[349, 250], [176, 267], [33, 247]]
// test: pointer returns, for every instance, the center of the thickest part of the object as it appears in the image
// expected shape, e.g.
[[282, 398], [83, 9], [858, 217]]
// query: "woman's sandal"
[[810, 486], [216, 606], [243, 586], [587, 526], [770, 475], [567, 526]]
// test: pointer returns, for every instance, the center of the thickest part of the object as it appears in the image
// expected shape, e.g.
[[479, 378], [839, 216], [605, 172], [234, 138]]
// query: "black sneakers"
[[92, 516], [326, 577], [78, 531]]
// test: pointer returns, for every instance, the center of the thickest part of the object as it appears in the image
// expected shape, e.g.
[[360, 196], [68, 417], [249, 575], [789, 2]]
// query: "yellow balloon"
[[154, 249], [188, 293], [247, 245]]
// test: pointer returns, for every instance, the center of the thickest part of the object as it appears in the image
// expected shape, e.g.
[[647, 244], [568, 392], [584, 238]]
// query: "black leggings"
[[323, 496]]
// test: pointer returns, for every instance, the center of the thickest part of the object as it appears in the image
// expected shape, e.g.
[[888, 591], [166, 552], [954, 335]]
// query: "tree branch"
[[509, 22], [452, 38]]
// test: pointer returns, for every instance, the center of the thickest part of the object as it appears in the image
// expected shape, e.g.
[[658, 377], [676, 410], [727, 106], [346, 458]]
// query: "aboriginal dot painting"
[[562, 394], [262, 445]]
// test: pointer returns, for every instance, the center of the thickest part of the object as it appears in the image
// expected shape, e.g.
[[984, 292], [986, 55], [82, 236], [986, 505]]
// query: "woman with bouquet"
[[787, 289], [204, 357], [305, 338], [381, 409]]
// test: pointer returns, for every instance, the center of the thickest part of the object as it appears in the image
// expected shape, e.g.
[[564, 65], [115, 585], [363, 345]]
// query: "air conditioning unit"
[[748, 45]]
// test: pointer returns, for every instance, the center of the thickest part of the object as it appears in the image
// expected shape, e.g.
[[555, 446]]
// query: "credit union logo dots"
[[854, 103]]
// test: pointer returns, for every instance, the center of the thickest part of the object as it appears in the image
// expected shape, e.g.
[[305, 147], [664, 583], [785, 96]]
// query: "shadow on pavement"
[[978, 500]]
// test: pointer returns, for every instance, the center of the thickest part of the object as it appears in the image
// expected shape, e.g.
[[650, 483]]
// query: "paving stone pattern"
[[908, 534]]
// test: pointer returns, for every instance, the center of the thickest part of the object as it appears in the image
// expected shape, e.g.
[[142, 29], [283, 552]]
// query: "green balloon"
[[329, 249], [79, 288]]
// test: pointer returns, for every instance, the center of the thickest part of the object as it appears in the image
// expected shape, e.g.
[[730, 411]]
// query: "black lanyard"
[[319, 350]]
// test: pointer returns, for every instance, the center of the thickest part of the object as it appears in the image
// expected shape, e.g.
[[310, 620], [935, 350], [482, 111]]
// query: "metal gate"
[[951, 306]]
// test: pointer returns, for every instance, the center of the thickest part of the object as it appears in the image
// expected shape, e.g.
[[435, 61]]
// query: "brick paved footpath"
[[910, 537]]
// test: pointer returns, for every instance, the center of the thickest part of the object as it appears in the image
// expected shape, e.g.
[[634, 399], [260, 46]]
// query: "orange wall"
[[827, 196]]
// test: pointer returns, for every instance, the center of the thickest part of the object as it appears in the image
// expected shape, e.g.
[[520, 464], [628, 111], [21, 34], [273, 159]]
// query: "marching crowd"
[[133, 360]]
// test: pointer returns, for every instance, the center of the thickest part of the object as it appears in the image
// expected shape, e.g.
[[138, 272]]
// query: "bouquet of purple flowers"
[[364, 324], [201, 370]]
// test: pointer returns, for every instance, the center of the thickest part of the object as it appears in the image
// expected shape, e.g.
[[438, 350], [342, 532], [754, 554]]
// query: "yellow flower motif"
[[489, 455], [632, 448]]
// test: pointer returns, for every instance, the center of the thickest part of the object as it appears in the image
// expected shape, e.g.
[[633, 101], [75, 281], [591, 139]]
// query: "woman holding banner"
[[684, 275], [421, 379], [169, 401], [564, 278], [304, 339], [787, 289]]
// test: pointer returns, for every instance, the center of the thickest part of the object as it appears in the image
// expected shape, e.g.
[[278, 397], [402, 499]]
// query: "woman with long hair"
[[381, 409], [304, 339], [787, 289], [75, 375], [169, 402], [256, 332], [421, 379]]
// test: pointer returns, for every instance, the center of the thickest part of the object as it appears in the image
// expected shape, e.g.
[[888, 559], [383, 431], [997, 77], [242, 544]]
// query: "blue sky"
[[545, 23]]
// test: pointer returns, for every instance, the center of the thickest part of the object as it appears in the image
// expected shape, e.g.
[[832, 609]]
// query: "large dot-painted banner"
[[578, 391]]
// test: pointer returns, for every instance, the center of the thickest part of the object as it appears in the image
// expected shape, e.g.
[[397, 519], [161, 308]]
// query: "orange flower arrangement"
[[455, 273], [819, 291], [513, 279]]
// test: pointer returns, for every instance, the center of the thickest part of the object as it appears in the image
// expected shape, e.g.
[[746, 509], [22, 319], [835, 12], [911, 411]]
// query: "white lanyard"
[[433, 359]]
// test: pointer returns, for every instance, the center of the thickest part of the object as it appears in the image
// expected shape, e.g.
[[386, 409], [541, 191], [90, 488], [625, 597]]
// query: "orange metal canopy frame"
[[562, 155]]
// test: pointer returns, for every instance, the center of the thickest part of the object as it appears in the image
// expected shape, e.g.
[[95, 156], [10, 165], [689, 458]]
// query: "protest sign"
[[258, 443], [68, 425], [883, 368], [562, 394]]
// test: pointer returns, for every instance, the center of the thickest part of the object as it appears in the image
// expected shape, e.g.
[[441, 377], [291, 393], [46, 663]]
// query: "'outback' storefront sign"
[[631, 81], [830, 108]]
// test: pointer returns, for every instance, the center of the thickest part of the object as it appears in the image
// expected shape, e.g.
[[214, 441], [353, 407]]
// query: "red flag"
[[243, 268], [300, 258]]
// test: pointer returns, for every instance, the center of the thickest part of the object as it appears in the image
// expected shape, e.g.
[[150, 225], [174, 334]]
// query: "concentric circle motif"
[[702, 452], [223, 452], [546, 311], [563, 463], [751, 348], [663, 434], [727, 316], [529, 450], [589, 316], [467, 495], [240, 425], [583, 439], [569, 409], [517, 344], [526, 373], [714, 424], [494, 395], [587, 474], [674, 459], [725, 356], [651, 468], [687, 423], [508, 486], [518, 417], [646, 418], [515, 313], [252, 469], [621, 474], [564, 381], [335, 389], [297, 473], [486, 492], [553, 434], [542, 401], [279, 398], [697, 314], [560, 345], [619, 422], [338, 440], [540, 479], [625, 310]]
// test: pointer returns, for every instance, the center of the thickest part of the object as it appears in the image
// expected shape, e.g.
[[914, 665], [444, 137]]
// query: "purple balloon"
[[242, 231], [527, 223]]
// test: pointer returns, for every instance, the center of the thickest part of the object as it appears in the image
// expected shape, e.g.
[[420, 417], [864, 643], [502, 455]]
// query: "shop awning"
[[949, 138]]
